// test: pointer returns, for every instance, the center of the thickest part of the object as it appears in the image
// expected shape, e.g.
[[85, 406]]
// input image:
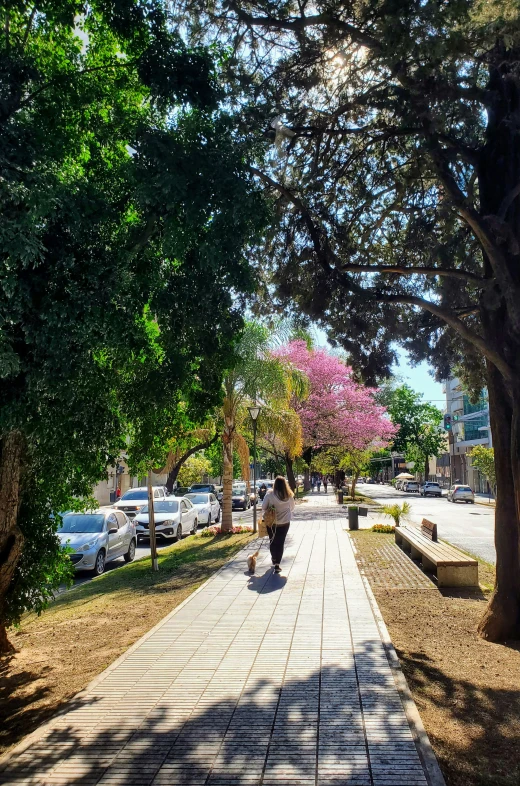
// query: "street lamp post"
[[254, 411]]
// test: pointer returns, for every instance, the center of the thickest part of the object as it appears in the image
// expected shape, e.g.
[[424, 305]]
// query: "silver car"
[[461, 494], [98, 537], [174, 517]]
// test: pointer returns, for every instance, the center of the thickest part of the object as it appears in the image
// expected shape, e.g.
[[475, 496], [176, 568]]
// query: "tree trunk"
[[426, 469], [355, 478], [290, 471], [227, 439], [306, 479], [172, 477], [11, 538], [501, 619]]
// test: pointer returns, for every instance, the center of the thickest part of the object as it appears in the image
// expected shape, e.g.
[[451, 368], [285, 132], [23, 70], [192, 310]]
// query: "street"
[[143, 549], [471, 527]]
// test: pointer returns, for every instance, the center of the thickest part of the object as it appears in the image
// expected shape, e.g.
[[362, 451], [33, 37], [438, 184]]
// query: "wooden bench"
[[453, 568]]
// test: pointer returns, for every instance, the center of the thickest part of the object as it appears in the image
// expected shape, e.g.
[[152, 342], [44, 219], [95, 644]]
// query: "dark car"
[[205, 488]]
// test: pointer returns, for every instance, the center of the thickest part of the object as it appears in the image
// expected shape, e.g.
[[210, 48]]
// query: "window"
[[121, 519], [157, 494], [112, 521], [183, 507], [212, 499]]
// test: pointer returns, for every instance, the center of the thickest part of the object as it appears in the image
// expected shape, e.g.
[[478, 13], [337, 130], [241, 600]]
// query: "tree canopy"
[[396, 177], [126, 209]]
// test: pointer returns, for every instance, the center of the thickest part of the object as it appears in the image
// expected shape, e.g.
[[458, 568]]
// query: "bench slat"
[[436, 552]]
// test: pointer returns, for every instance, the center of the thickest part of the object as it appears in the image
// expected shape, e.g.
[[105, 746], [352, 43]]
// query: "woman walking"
[[281, 499]]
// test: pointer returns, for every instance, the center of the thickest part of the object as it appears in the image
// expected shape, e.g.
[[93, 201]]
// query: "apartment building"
[[469, 427]]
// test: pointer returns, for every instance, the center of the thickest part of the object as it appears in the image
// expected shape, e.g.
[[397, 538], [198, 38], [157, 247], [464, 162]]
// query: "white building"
[[469, 427]]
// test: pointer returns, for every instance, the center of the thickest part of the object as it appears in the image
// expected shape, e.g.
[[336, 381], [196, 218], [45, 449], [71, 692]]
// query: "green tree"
[[194, 469], [397, 186], [356, 462], [419, 435], [257, 374], [483, 459], [122, 196]]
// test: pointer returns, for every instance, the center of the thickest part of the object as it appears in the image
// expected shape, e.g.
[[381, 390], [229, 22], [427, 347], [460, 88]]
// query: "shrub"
[[386, 529], [397, 513]]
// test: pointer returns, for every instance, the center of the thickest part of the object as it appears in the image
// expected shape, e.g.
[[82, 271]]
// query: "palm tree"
[[257, 375]]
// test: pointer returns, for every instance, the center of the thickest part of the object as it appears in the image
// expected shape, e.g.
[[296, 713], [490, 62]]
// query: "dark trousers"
[[277, 535]]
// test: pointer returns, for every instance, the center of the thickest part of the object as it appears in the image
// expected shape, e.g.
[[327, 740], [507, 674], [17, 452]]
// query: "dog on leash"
[[251, 561]]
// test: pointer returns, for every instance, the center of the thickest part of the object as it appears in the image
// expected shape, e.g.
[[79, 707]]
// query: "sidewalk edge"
[[40, 731], [429, 761]]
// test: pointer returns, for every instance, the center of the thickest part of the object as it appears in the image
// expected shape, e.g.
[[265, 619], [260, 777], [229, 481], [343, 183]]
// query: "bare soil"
[[86, 629], [467, 690]]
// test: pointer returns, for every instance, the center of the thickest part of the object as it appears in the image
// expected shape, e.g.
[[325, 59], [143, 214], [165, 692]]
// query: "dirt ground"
[[86, 629], [467, 690]]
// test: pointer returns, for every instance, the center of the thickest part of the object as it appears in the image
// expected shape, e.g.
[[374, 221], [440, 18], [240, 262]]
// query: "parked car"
[[461, 494], [174, 517], [431, 489], [207, 488], [240, 497], [207, 506], [98, 537], [411, 486], [134, 500], [181, 491]]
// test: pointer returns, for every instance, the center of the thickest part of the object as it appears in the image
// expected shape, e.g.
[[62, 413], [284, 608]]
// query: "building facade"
[[469, 427]]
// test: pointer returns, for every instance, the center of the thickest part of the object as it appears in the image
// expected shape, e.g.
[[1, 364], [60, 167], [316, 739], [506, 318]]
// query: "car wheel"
[[217, 520], [130, 554], [196, 526], [178, 533], [99, 565]]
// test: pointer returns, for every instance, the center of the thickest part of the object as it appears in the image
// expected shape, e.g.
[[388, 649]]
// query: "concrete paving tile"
[[286, 685]]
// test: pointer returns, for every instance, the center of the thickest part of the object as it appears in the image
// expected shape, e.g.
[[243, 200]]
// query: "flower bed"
[[211, 532], [384, 528]]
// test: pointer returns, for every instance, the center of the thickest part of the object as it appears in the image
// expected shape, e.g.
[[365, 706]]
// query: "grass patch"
[[466, 689], [90, 626]]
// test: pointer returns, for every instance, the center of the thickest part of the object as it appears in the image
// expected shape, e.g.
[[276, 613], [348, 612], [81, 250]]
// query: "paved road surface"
[[471, 527]]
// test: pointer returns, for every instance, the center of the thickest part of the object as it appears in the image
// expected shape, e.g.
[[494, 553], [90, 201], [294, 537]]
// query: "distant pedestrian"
[[118, 493], [281, 498], [325, 483], [318, 483], [313, 483]]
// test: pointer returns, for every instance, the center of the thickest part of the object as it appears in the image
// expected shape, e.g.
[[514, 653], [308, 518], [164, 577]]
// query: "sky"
[[420, 379]]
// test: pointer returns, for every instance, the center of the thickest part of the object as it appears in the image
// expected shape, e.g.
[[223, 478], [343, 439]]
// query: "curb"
[[41, 730], [428, 759]]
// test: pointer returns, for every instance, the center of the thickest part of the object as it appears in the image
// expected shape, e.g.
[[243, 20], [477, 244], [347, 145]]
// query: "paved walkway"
[[264, 680]]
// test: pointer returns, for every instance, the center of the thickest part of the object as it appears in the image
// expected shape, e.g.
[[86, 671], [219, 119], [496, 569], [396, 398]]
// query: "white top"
[[283, 507]]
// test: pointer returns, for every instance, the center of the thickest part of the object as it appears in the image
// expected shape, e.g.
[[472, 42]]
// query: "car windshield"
[[238, 490], [463, 488], [199, 487], [137, 494], [198, 499], [163, 506], [83, 522]]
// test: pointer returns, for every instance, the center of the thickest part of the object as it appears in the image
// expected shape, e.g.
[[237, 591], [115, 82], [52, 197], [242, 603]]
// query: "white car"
[[174, 517], [134, 500], [207, 506]]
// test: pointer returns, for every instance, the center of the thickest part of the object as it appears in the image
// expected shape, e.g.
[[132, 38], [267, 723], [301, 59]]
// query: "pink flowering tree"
[[338, 412]]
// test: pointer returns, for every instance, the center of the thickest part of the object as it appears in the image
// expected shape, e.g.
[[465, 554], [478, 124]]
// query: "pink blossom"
[[338, 412]]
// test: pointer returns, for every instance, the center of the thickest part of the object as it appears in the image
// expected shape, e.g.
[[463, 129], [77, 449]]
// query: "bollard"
[[353, 517]]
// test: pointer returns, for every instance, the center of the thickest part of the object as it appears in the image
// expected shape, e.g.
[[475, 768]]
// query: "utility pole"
[[151, 523]]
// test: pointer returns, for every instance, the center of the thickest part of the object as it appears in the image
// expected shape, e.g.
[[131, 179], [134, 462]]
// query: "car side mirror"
[[112, 530]]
